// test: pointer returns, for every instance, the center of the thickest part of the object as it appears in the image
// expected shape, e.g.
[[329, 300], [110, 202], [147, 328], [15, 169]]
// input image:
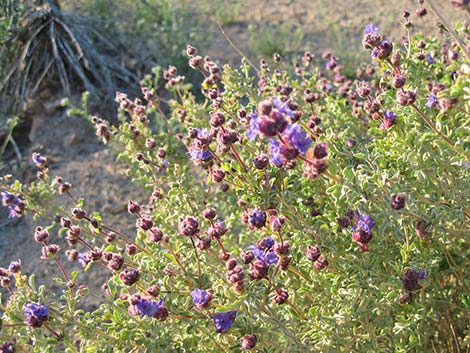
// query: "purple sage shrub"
[[292, 209]]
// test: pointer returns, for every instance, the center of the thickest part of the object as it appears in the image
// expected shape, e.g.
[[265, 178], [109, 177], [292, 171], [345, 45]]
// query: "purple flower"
[[371, 37], [200, 155], [364, 222], [15, 205], [382, 50], [264, 251], [390, 116], [13, 213], [35, 314], [202, 133], [224, 321], [201, 298], [271, 122], [430, 59], [267, 256], [253, 131], [283, 107], [267, 242], [188, 226], [199, 149], [330, 64], [82, 259], [258, 218], [274, 147], [38, 159], [297, 138], [371, 29], [147, 307], [7, 198], [410, 281], [432, 101], [9, 347], [389, 120], [421, 274]]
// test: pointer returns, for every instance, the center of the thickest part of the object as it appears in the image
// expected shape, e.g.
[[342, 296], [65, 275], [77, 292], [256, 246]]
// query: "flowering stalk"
[[125, 238], [431, 125], [51, 330], [176, 257], [199, 272], [237, 156], [296, 309]]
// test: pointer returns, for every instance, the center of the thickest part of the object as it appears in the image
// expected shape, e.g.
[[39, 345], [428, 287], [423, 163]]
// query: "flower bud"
[[204, 243], [78, 213], [398, 201], [40, 234], [195, 62], [209, 213], [230, 264], [144, 223], [190, 50], [129, 276], [281, 296], [63, 188], [405, 97], [218, 175], [320, 263], [155, 235], [15, 266], [320, 150], [261, 161], [248, 342], [312, 253], [421, 11], [133, 207], [258, 270], [247, 256]]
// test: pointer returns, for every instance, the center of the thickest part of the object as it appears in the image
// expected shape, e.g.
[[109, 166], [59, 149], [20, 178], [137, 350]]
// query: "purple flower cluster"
[[389, 120], [363, 230], [271, 122], [293, 142], [372, 40], [141, 306], [364, 222], [7, 347], [412, 276], [201, 298], [39, 160], [224, 321], [264, 251], [430, 59], [257, 219], [432, 101], [14, 203], [199, 148], [235, 275], [35, 314], [188, 226]]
